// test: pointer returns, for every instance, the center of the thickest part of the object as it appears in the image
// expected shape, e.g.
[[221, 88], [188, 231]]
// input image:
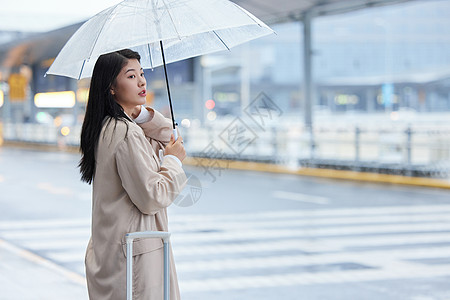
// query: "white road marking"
[[310, 245], [46, 233], [196, 224], [297, 222], [50, 188], [378, 259], [33, 224], [316, 213], [397, 271], [44, 262], [328, 234], [300, 197], [57, 244], [317, 232], [67, 256]]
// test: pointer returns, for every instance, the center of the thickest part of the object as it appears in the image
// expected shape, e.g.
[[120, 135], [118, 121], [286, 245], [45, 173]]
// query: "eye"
[[142, 74], [132, 76]]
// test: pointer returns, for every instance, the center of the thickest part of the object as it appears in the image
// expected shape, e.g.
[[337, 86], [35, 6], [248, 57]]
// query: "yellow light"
[[65, 131], [1, 98], [82, 95], [47, 63], [55, 99], [57, 121]]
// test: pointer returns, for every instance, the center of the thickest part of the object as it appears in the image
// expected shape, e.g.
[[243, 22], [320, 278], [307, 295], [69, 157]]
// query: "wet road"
[[250, 235]]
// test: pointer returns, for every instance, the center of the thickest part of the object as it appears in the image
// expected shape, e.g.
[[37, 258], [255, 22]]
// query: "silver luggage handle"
[[129, 237]]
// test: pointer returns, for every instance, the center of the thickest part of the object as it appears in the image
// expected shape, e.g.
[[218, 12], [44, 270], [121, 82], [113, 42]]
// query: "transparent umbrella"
[[162, 31]]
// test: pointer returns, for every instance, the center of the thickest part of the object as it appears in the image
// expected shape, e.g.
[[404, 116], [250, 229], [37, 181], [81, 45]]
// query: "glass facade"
[[378, 59]]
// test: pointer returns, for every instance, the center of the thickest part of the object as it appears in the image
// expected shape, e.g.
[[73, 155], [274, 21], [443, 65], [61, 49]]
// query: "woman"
[[131, 186]]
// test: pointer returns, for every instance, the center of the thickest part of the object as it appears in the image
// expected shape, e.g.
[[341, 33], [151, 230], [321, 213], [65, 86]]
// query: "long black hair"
[[101, 104]]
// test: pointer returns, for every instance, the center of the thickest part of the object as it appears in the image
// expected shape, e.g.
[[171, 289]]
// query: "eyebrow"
[[133, 70]]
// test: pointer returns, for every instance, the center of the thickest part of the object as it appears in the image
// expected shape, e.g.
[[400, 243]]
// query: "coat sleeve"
[[159, 128], [149, 188]]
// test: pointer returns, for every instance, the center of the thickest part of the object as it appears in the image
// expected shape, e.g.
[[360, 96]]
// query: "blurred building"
[[374, 60]]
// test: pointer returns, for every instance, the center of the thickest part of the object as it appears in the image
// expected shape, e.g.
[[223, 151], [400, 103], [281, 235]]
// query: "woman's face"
[[130, 87]]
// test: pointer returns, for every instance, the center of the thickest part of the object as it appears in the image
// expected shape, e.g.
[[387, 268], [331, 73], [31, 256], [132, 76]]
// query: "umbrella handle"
[[175, 134]]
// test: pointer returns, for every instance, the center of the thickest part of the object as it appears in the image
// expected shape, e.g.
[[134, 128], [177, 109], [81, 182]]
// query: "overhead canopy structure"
[[280, 11], [36, 48]]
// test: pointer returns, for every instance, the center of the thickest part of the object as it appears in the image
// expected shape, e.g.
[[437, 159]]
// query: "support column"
[[307, 81], [199, 99], [307, 72], [245, 77], [370, 100]]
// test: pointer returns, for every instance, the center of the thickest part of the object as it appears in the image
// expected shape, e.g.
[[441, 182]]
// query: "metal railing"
[[404, 149]]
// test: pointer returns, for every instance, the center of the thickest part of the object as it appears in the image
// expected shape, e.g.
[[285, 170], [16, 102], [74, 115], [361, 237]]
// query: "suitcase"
[[129, 237]]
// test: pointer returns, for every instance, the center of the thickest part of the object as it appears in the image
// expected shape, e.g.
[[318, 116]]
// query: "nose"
[[142, 81]]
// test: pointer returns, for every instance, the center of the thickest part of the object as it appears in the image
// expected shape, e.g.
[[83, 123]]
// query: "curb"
[[323, 173], [272, 168], [41, 146]]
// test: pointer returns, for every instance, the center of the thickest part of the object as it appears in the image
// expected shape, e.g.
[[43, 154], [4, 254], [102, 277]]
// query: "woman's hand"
[[175, 148]]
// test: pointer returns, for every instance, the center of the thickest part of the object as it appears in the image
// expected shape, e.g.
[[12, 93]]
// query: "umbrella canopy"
[[185, 28]]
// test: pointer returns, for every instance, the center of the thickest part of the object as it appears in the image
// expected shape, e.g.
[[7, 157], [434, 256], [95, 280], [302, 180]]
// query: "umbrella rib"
[[170, 16], [100, 32], [150, 55], [82, 67], [221, 39]]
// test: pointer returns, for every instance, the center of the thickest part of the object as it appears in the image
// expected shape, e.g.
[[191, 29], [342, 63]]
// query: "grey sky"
[[45, 15]]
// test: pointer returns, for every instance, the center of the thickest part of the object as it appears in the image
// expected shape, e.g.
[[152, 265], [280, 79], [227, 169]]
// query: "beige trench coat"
[[131, 191]]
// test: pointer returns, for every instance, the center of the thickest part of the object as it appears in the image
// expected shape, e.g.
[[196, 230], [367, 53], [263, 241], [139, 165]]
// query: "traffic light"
[[210, 104]]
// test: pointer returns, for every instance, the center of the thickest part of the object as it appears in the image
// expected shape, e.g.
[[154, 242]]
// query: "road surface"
[[251, 235]]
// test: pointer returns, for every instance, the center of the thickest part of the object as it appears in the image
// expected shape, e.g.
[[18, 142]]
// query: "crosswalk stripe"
[[371, 258], [305, 214], [310, 232], [67, 256], [34, 224], [396, 271], [325, 245], [315, 213], [316, 246], [380, 238], [300, 197], [46, 233], [439, 224], [58, 244], [192, 226]]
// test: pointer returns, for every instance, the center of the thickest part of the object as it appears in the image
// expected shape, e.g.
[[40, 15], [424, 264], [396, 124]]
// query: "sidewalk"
[[27, 276]]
